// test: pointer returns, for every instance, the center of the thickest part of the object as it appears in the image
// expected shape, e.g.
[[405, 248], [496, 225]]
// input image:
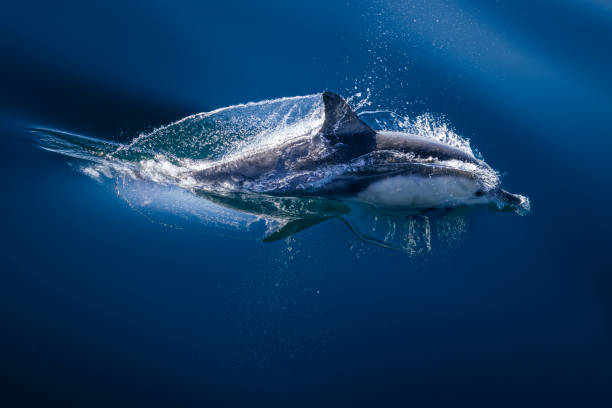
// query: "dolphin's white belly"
[[419, 192]]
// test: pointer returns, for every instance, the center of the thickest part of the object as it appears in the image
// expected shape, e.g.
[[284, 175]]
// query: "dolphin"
[[387, 187], [391, 171]]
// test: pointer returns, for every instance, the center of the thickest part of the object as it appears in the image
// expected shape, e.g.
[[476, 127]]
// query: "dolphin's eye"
[[479, 193]]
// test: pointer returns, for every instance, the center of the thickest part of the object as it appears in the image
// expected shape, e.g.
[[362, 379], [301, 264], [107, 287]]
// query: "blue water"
[[103, 305]]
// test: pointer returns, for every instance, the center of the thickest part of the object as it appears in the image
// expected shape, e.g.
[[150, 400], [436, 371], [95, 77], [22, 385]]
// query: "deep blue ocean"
[[103, 304]]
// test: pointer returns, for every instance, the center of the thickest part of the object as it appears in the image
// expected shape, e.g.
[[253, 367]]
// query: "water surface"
[[103, 303]]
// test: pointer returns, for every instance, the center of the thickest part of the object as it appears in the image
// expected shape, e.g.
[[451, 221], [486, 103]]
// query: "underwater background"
[[104, 304]]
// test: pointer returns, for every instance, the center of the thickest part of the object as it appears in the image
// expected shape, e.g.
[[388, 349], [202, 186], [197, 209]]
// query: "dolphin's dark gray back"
[[342, 138]]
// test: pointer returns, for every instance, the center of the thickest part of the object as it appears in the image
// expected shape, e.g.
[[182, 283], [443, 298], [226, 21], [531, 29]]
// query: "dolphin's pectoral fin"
[[292, 227], [341, 124]]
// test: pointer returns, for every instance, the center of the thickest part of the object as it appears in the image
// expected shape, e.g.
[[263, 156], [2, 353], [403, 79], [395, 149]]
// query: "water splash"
[[226, 132]]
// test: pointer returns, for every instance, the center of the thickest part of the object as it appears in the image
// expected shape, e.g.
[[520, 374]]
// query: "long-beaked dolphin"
[[389, 170]]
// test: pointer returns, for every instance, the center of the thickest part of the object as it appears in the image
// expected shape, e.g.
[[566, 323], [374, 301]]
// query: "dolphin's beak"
[[509, 198]]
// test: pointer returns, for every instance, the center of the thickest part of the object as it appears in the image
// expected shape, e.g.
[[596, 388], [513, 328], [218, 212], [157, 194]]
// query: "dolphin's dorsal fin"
[[341, 124]]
